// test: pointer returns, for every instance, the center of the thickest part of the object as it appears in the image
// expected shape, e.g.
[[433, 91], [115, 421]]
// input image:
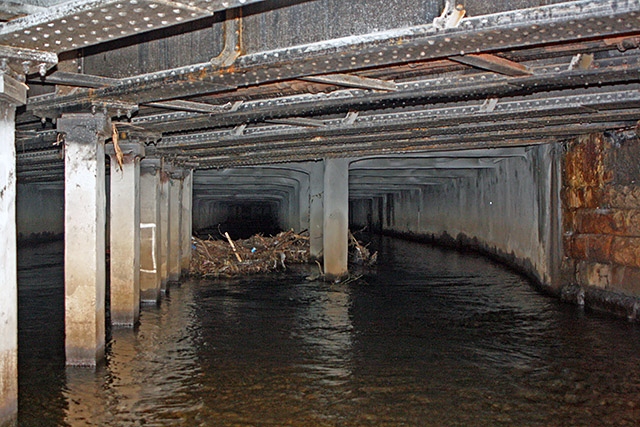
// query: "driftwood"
[[258, 254], [360, 254]]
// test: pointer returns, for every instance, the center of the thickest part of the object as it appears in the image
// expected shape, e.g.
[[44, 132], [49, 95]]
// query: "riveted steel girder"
[[454, 86], [558, 23], [455, 119]]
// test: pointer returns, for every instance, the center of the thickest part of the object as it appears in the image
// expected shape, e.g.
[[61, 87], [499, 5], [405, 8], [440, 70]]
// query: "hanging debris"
[[116, 145]]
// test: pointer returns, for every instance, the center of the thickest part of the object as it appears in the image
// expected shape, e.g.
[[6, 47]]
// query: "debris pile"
[[360, 254], [257, 254], [213, 258]]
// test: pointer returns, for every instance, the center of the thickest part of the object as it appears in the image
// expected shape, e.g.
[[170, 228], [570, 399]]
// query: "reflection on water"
[[433, 338]]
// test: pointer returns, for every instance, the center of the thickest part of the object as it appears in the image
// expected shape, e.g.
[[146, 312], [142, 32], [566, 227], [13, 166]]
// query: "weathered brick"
[[617, 222], [626, 251], [622, 196], [567, 244], [584, 162], [592, 197], [568, 220], [590, 247], [600, 247], [594, 274], [633, 222], [625, 279], [578, 247], [628, 222], [592, 221], [572, 197], [582, 197]]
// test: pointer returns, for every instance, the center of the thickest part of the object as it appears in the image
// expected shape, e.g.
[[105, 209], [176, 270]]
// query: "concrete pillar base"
[[9, 391]]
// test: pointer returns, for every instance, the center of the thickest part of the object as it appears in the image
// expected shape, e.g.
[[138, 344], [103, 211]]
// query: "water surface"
[[432, 338]]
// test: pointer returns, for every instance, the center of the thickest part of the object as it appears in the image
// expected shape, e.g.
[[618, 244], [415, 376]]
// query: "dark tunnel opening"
[[242, 220]]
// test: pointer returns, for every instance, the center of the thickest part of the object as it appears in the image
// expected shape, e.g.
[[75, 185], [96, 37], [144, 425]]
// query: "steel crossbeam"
[[558, 23], [425, 120], [454, 86]]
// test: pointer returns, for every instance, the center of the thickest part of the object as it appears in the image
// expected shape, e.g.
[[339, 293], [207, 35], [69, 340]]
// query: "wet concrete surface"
[[430, 338]]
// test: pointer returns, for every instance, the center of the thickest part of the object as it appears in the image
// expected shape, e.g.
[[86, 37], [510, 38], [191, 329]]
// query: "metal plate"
[[77, 24]]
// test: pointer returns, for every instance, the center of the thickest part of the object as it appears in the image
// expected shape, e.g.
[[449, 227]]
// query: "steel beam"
[[454, 86], [552, 24], [418, 121]]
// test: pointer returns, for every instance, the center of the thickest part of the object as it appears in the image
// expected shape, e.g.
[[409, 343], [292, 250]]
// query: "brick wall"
[[601, 207]]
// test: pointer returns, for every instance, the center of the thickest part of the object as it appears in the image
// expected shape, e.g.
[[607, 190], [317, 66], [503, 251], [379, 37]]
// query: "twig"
[[235, 251]]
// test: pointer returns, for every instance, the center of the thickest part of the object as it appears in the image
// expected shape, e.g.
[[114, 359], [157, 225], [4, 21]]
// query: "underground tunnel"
[[486, 151]]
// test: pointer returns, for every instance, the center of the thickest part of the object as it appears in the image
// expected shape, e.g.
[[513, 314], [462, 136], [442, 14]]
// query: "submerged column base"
[[9, 388]]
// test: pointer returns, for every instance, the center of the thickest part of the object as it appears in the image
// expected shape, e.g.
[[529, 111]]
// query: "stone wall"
[[601, 203]]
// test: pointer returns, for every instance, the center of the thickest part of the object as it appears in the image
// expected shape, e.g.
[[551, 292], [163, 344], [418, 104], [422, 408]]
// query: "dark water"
[[435, 338]]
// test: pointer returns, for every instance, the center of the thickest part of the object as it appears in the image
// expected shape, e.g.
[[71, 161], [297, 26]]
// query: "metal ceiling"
[[512, 78]]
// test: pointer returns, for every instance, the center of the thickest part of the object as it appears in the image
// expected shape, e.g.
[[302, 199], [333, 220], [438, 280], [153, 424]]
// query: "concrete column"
[[186, 222], [12, 93], [165, 199], [175, 214], [125, 234], [316, 210], [150, 231], [84, 255], [304, 199], [336, 218]]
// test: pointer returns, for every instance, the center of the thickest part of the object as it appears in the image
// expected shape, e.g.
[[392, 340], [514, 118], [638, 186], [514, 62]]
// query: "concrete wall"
[[509, 208], [40, 211]]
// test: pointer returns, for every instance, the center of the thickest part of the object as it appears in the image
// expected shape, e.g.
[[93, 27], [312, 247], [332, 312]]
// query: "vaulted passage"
[[504, 127]]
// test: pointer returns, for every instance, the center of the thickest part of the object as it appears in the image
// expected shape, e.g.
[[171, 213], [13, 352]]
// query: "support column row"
[[136, 262]]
